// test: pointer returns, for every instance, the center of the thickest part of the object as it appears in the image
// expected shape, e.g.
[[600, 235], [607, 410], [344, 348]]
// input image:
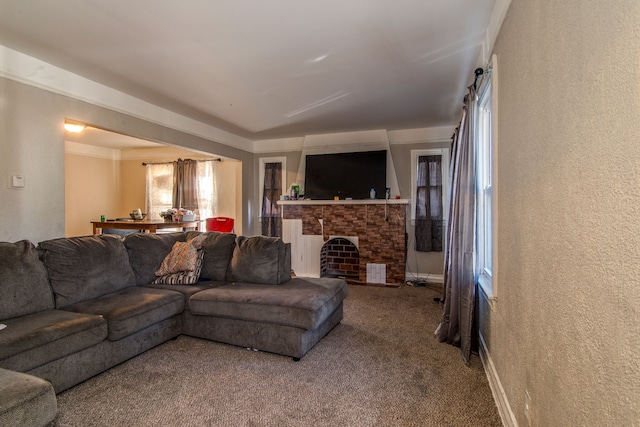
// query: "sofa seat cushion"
[[35, 339], [188, 290], [301, 302], [132, 309]]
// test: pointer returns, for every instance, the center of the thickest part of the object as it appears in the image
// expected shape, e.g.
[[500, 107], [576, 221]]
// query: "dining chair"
[[220, 224], [120, 231]]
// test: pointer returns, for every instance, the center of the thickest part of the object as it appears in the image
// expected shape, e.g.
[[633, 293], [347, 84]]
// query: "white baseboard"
[[500, 397]]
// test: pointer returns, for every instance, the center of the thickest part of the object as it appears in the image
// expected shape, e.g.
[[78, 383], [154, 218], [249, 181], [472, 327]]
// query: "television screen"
[[345, 175]]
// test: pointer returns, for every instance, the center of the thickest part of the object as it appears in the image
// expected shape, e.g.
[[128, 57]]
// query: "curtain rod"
[[167, 163]]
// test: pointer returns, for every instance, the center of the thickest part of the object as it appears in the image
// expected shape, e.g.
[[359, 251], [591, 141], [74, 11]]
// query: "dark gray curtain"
[[185, 184], [271, 218], [429, 219], [459, 270]]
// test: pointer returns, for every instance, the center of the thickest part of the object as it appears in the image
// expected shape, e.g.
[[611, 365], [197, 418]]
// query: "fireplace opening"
[[340, 258]]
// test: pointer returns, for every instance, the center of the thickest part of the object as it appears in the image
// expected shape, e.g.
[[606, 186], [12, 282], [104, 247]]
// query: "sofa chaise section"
[[301, 302], [273, 312], [247, 296]]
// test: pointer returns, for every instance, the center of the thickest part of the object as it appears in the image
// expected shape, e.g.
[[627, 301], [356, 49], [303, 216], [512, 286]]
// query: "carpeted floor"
[[381, 366]]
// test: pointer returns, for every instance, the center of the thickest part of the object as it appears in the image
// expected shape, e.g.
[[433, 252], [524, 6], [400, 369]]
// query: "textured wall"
[[92, 188], [31, 144], [566, 325], [419, 264]]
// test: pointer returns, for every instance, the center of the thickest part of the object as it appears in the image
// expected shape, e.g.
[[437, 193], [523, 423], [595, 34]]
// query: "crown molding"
[[355, 141], [421, 135]]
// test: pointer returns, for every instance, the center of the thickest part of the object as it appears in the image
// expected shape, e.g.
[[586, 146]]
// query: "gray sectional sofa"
[[74, 307]]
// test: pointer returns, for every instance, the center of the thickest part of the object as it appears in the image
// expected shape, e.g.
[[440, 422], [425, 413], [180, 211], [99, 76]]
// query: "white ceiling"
[[267, 69]]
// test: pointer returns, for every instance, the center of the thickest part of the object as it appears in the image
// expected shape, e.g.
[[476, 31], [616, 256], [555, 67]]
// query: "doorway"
[[104, 175]]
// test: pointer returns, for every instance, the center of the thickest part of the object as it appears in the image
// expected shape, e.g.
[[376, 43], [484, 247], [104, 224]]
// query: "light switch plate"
[[17, 181]]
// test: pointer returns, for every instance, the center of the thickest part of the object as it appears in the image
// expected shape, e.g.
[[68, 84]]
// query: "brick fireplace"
[[378, 228]]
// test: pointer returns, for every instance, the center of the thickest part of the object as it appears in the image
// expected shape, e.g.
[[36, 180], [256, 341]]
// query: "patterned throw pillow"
[[188, 277], [183, 264]]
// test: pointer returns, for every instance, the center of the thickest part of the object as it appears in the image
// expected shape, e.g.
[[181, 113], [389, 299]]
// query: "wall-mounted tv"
[[346, 175]]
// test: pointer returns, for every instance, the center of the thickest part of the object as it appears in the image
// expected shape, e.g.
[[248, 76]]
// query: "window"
[[272, 184], [485, 143], [430, 197], [429, 219], [188, 184]]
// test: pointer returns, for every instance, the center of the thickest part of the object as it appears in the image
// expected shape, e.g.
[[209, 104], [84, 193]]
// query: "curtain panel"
[[271, 218], [429, 213], [185, 184], [459, 263]]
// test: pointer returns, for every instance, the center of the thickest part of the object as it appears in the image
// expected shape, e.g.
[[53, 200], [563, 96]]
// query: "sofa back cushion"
[[146, 252], [218, 250], [24, 286], [259, 259], [82, 268]]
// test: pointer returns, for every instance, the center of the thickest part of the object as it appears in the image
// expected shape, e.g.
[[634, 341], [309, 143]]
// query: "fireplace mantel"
[[376, 226]]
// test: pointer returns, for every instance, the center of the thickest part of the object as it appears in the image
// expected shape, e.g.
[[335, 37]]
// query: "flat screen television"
[[345, 175]]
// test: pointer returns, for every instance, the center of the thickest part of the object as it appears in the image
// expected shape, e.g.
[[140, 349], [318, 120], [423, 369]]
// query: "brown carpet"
[[381, 366]]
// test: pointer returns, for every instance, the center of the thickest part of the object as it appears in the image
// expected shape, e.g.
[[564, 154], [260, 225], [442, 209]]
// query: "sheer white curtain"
[[206, 171], [159, 189]]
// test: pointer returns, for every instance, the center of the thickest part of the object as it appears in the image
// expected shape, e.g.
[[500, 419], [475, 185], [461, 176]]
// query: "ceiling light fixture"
[[73, 127]]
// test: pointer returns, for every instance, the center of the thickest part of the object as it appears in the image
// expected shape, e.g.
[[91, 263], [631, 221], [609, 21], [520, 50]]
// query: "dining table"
[[145, 225]]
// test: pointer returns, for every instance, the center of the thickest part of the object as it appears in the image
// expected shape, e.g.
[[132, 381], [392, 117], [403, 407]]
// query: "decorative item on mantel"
[[294, 191]]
